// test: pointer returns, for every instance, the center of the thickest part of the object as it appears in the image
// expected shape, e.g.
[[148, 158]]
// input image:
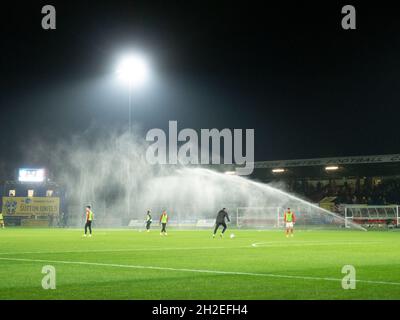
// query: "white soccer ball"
[[232, 235]]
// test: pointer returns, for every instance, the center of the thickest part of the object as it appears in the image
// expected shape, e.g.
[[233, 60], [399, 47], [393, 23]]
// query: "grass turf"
[[127, 264]]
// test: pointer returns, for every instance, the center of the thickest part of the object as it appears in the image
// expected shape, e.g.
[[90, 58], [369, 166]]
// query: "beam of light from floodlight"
[[133, 70], [278, 170]]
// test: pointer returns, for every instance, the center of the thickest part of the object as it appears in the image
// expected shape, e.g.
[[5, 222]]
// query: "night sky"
[[307, 87]]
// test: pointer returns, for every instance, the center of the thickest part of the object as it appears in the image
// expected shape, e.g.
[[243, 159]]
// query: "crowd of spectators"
[[363, 191]]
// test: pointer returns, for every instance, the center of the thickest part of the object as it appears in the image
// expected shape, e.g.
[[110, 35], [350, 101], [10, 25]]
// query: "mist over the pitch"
[[109, 171]]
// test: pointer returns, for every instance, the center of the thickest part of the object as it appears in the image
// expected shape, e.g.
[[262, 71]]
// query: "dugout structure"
[[372, 216]]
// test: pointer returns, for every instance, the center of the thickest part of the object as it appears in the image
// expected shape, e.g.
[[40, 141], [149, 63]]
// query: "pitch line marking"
[[197, 270], [311, 243], [118, 250]]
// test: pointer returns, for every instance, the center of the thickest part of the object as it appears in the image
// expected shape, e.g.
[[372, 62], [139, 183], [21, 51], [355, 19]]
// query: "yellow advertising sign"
[[27, 206], [328, 203]]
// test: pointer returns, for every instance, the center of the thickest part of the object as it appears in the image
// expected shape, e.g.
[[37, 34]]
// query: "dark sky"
[[288, 70]]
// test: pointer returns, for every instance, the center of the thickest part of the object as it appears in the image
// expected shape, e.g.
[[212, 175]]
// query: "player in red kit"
[[290, 219]]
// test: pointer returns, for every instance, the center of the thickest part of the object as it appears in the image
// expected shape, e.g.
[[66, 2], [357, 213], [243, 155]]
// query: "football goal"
[[307, 216], [258, 217]]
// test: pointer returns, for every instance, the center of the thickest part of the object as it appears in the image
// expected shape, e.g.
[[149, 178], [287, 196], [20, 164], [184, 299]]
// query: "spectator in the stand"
[[364, 200]]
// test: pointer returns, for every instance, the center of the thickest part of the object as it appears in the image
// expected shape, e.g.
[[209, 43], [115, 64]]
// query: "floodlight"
[[133, 70], [331, 168]]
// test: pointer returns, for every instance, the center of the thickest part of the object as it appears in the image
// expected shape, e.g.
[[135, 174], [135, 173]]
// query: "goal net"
[[310, 216], [372, 216], [258, 217]]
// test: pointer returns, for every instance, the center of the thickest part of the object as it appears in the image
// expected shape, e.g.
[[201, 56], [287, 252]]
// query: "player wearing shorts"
[[289, 218]]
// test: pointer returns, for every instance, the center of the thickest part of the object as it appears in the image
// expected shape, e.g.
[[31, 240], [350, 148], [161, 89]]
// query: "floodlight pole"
[[130, 108], [130, 137]]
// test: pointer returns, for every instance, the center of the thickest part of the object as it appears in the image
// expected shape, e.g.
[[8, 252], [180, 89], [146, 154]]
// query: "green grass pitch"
[[127, 264]]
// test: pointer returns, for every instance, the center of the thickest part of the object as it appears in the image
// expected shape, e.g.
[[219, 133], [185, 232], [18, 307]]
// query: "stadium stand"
[[371, 180]]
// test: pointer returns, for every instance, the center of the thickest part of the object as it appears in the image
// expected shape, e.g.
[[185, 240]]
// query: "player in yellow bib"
[[1, 220], [89, 220], [164, 221], [289, 218]]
